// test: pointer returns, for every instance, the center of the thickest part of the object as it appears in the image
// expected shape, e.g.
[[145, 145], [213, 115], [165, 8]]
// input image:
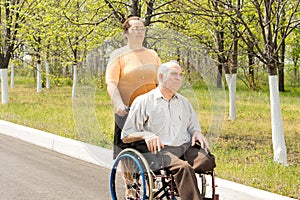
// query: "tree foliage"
[[233, 32]]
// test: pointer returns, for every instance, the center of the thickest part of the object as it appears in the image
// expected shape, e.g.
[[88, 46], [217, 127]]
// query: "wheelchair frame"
[[143, 183]]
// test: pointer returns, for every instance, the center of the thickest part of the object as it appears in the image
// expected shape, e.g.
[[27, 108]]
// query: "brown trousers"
[[192, 161], [183, 162]]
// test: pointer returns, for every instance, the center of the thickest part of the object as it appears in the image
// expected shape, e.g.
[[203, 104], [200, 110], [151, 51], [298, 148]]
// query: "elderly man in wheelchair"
[[165, 131]]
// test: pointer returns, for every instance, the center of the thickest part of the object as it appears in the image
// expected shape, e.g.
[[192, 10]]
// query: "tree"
[[14, 15], [223, 44], [263, 26], [268, 16], [151, 11], [63, 37], [10, 19], [79, 29]]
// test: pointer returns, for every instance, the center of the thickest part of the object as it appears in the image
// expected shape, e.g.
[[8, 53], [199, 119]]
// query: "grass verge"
[[243, 150]]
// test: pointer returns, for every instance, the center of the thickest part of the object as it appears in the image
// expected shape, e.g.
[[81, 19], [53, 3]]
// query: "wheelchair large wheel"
[[131, 178]]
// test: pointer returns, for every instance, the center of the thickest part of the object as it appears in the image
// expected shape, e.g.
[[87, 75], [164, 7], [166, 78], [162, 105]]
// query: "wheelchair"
[[132, 179]]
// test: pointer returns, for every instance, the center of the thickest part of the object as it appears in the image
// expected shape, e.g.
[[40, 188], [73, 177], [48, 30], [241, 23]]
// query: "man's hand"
[[153, 143], [198, 136]]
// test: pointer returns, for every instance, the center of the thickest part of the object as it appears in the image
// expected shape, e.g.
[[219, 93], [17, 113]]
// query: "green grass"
[[243, 151]]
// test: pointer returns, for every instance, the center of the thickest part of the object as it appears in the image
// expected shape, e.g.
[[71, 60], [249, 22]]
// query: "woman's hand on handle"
[[121, 110]]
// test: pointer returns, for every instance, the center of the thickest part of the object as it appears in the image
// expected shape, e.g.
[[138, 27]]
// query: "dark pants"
[[183, 162], [118, 144]]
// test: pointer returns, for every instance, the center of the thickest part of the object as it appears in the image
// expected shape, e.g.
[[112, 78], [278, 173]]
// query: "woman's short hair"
[[126, 24]]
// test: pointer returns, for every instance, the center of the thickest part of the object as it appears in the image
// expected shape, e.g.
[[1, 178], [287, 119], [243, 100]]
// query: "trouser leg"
[[118, 144], [184, 176], [200, 160]]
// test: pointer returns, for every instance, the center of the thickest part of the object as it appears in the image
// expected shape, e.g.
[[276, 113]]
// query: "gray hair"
[[164, 67]]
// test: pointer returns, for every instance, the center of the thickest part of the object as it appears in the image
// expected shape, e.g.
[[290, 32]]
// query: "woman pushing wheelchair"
[[167, 122]]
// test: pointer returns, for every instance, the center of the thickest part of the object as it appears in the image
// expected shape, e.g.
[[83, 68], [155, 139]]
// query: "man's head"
[[134, 28], [170, 76]]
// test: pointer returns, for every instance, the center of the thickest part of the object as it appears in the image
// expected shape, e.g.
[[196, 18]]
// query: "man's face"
[[173, 79], [136, 32]]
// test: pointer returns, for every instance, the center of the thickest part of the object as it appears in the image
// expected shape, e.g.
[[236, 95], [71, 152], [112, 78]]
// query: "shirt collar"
[[158, 94]]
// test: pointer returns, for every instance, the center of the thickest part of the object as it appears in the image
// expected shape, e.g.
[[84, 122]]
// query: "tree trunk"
[[12, 76], [221, 57], [74, 81], [4, 85], [252, 83], [39, 78], [39, 67], [295, 72], [231, 78], [135, 8], [220, 43], [281, 68], [231, 82], [149, 12], [279, 147], [47, 75], [219, 77]]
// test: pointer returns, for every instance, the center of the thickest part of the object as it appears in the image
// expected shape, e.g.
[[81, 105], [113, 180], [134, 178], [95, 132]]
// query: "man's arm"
[[134, 137], [153, 142], [198, 136]]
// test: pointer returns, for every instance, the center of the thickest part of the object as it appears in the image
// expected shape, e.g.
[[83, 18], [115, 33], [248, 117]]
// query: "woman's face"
[[136, 31]]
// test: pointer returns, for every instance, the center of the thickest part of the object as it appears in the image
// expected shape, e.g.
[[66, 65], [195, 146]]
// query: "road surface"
[[30, 172]]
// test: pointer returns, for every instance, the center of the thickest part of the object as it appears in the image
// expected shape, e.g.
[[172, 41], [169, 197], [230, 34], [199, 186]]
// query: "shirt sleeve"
[[194, 124], [136, 118], [113, 69]]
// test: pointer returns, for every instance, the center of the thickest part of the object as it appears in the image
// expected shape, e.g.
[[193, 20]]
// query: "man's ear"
[[160, 77], [125, 35]]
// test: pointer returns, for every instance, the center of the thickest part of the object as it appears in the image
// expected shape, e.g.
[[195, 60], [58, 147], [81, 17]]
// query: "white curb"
[[73, 148], [262, 194]]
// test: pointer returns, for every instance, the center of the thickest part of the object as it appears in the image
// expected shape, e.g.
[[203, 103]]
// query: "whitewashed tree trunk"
[[27, 60], [12, 76], [74, 81], [279, 147], [231, 82], [39, 78], [4, 85], [47, 75], [64, 71]]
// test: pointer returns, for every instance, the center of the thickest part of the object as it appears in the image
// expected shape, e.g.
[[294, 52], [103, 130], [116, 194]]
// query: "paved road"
[[30, 172]]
